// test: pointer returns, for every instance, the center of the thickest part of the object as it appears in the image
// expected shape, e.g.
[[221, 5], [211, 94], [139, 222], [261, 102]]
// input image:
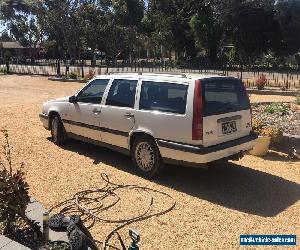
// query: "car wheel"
[[57, 130], [146, 157]]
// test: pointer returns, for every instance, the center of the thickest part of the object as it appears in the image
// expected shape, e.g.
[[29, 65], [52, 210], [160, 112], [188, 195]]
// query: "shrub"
[[275, 133], [270, 109], [90, 75], [14, 196], [263, 130], [297, 101], [3, 71], [261, 82], [276, 108], [73, 75]]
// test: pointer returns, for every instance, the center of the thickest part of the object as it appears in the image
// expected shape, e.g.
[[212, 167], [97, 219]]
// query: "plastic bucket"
[[262, 146]]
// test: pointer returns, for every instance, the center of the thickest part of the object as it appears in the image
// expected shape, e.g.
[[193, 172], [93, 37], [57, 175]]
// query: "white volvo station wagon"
[[157, 118]]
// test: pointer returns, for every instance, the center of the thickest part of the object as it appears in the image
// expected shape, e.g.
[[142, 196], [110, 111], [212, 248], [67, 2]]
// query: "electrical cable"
[[80, 199]]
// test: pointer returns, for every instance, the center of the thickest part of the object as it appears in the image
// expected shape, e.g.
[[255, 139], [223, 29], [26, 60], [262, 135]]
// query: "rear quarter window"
[[223, 96], [164, 97]]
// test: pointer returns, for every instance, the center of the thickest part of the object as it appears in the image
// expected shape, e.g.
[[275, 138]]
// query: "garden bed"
[[280, 115]]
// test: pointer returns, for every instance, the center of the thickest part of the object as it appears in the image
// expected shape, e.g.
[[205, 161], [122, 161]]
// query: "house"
[[12, 50], [17, 52]]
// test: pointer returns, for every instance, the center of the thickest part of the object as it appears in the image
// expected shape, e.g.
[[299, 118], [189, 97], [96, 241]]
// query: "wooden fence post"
[[7, 67]]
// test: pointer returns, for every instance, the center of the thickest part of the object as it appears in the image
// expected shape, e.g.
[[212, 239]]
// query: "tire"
[[57, 130], [146, 157]]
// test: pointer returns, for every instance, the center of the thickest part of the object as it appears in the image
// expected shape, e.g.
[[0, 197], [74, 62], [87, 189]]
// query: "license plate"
[[229, 127]]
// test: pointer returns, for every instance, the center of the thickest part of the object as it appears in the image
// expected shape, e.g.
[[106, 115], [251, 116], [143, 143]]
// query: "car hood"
[[62, 99]]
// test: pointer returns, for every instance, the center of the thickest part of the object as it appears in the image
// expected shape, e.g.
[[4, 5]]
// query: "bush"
[[275, 133], [90, 75], [262, 130], [261, 82], [297, 101], [14, 196], [277, 108], [3, 71], [73, 75]]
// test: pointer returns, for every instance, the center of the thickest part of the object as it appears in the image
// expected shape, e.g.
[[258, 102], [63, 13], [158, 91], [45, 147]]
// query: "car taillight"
[[197, 133]]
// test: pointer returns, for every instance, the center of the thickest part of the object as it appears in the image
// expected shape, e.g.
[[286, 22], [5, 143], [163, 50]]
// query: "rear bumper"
[[45, 120], [199, 154]]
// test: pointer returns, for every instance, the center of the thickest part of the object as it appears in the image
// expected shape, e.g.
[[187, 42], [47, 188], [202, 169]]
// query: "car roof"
[[163, 76]]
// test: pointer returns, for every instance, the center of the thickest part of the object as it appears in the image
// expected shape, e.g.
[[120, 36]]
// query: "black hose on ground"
[[79, 201]]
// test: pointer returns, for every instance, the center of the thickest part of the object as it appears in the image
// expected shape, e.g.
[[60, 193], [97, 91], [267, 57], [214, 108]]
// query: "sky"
[[2, 26]]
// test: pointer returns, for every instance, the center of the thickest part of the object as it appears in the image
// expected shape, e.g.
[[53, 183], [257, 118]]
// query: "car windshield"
[[223, 96]]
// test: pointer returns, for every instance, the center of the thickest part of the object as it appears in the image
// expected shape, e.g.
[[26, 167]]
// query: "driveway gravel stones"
[[214, 206]]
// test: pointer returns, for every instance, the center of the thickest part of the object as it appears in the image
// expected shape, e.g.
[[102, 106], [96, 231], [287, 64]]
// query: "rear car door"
[[163, 110], [84, 115], [226, 110], [118, 114]]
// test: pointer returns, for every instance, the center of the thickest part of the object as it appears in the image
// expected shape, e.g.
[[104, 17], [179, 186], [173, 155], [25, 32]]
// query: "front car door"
[[117, 114], [84, 115]]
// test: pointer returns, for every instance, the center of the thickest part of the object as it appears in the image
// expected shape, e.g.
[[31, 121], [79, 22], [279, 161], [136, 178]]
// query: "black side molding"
[[108, 130], [124, 151], [206, 150]]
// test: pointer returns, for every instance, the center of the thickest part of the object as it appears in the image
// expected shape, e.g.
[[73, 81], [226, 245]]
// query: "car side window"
[[122, 93], [93, 92], [164, 97]]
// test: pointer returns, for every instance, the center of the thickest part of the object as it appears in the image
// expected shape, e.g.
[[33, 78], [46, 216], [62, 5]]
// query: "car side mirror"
[[72, 99]]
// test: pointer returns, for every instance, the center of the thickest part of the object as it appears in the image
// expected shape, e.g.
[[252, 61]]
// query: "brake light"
[[197, 132]]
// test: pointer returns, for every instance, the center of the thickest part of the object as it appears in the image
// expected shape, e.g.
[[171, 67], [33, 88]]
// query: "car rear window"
[[223, 96], [163, 96]]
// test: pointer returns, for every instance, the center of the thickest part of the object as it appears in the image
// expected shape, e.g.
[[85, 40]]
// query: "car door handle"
[[129, 115], [96, 111]]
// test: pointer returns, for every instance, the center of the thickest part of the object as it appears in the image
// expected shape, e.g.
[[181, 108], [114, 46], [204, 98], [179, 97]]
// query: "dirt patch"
[[214, 206], [271, 98]]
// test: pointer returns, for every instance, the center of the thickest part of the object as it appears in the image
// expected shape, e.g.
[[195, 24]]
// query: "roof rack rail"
[[171, 74], [123, 73], [168, 73]]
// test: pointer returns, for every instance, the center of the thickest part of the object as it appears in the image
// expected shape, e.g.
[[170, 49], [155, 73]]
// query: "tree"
[[9, 9], [287, 14], [166, 26], [62, 26], [21, 20], [207, 31], [252, 27], [28, 33], [92, 21], [126, 16], [128, 12], [4, 37]]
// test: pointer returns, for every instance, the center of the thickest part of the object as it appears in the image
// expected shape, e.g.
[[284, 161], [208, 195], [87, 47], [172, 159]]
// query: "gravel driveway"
[[214, 206]]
